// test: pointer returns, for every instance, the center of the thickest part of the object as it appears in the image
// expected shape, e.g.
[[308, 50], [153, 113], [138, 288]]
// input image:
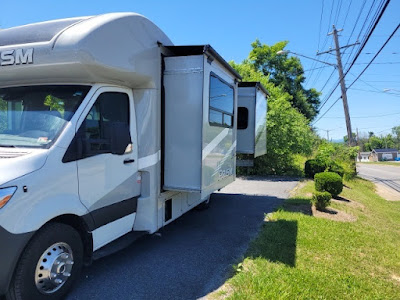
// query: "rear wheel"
[[49, 265]]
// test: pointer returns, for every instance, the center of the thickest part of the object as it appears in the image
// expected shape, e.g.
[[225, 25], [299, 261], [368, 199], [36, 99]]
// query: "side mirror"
[[120, 137]]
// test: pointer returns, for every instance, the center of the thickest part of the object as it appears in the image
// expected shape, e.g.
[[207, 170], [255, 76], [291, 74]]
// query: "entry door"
[[108, 183]]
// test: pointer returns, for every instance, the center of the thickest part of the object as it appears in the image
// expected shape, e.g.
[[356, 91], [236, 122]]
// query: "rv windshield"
[[34, 116]]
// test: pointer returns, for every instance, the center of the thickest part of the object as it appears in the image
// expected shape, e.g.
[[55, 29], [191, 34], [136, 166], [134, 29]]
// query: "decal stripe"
[[220, 164], [150, 160], [111, 213], [214, 143]]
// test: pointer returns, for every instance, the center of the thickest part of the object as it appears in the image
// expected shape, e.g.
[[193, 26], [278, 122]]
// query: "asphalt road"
[[385, 175], [192, 256]]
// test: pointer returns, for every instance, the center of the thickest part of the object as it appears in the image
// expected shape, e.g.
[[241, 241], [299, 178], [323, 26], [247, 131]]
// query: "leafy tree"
[[287, 73], [396, 132]]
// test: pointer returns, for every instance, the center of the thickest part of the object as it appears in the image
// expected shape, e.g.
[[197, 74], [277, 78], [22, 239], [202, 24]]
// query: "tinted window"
[[108, 110], [243, 118], [40, 32], [221, 103]]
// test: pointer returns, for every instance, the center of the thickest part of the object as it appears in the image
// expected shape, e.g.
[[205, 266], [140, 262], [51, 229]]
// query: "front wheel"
[[49, 265]]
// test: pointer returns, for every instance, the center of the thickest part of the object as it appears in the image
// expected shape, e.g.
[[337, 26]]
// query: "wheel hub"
[[54, 268]]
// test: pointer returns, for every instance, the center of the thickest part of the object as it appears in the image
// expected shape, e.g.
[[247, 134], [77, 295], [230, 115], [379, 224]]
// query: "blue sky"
[[231, 26]]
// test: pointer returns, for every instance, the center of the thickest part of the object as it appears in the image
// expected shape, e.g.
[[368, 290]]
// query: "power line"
[[327, 110], [329, 78], [356, 56], [313, 69], [355, 23], [366, 117], [320, 23], [338, 9], [383, 46], [380, 63], [348, 10], [368, 36], [380, 92], [361, 30]]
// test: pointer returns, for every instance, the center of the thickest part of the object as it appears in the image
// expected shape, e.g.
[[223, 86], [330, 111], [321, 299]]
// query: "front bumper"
[[11, 247]]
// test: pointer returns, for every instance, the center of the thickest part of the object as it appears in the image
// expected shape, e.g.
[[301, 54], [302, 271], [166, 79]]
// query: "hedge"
[[314, 166], [321, 200], [328, 182]]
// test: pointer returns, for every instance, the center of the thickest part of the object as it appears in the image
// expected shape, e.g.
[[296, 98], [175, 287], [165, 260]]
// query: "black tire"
[[23, 286]]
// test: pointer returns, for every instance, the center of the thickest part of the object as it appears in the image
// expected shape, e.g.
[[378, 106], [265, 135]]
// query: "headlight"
[[6, 194]]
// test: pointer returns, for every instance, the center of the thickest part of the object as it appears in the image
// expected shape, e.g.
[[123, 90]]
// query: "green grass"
[[388, 163], [298, 256]]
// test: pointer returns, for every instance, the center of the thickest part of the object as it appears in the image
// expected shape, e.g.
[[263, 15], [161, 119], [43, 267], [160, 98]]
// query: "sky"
[[231, 26]]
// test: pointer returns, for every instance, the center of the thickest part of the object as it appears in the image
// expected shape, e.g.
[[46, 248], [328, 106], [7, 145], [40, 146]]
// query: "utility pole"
[[357, 137], [327, 133], [341, 80]]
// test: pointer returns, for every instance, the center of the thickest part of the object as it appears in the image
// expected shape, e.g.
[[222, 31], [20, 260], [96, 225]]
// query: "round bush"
[[314, 166], [321, 200], [328, 182]]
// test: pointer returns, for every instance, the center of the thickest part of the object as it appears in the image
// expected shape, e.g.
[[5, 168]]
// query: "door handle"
[[129, 161]]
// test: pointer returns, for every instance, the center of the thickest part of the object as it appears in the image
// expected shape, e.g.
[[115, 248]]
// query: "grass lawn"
[[382, 163], [299, 256]]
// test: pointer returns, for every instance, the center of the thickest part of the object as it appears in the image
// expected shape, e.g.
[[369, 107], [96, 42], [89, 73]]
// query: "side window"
[[111, 109], [221, 103], [243, 118]]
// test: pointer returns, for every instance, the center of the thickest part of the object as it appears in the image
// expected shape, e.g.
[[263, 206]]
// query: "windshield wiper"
[[7, 146]]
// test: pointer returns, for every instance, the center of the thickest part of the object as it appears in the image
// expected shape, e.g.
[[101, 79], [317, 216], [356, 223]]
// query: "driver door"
[[108, 184]]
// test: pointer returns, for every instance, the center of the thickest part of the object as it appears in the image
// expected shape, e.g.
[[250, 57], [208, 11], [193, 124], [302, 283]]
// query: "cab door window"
[[106, 129], [110, 109]]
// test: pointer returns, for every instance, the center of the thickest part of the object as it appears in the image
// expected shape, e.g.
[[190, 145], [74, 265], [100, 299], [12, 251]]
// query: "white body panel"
[[199, 157], [111, 231], [253, 138]]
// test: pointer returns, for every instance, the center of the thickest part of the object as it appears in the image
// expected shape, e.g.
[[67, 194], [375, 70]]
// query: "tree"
[[396, 132], [287, 73]]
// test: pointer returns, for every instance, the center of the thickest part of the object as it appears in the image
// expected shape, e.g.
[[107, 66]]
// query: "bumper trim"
[[12, 246]]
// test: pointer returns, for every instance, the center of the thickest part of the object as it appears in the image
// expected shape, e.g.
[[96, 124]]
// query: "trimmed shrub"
[[314, 166], [328, 182], [336, 168], [321, 200]]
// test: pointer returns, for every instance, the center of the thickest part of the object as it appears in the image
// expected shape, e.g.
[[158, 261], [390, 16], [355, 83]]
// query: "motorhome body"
[[96, 113], [106, 127]]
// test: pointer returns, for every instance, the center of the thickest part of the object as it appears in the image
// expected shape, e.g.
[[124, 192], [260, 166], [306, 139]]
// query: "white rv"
[[106, 128], [251, 122]]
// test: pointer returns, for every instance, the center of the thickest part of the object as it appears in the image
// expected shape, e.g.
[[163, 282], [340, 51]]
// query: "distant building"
[[383, 154], [363, 156]]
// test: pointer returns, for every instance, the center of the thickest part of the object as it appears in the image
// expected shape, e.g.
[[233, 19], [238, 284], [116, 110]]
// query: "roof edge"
[[256, 84]]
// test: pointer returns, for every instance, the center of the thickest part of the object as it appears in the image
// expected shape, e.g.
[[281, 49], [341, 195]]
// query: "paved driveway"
[[386, 177], [193, 255]]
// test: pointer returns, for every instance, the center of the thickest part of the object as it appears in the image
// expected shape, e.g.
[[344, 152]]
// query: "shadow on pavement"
[[193, 255], [269, 178]]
